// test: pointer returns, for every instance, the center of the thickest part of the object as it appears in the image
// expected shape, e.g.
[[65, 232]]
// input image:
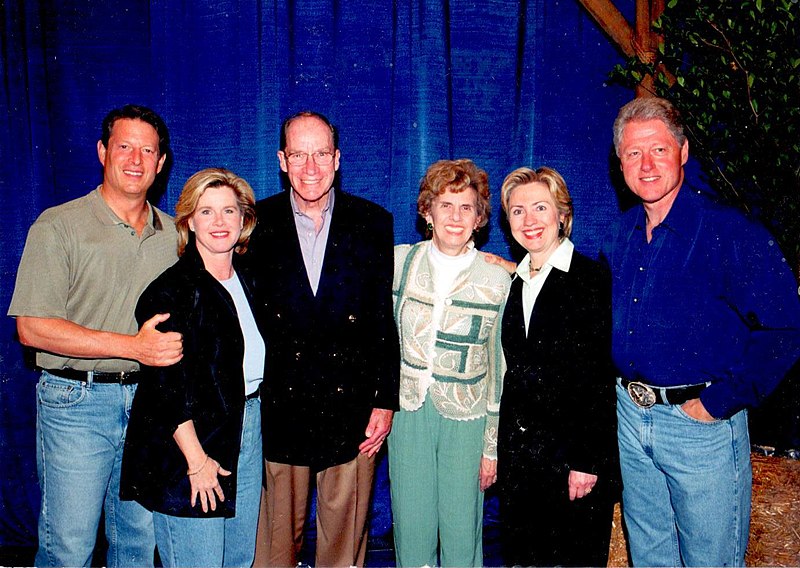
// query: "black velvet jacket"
[[334, 356], [558, 411], [206, 386]]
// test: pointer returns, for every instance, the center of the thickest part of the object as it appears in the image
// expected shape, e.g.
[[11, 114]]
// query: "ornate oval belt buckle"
[[641, 394]]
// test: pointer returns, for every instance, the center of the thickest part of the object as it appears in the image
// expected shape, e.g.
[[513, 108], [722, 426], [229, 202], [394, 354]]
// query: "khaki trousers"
[[343, 499]]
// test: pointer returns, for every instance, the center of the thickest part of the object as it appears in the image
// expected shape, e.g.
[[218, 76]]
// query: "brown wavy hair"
[[455, 175]]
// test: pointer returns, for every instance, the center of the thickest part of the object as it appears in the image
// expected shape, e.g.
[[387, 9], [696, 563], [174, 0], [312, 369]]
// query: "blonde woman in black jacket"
[[559, 477], [193, 449]]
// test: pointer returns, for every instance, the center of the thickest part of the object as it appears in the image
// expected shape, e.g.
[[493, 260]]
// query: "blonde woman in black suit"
[[557, 434]]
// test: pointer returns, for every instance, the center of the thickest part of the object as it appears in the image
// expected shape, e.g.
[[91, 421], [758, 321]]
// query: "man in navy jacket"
[[332, 370]]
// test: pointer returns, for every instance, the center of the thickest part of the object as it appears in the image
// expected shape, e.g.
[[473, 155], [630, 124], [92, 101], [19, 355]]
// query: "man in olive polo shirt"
[[84, 265]]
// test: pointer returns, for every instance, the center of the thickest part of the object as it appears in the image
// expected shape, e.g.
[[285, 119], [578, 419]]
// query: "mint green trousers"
[[437, 504]]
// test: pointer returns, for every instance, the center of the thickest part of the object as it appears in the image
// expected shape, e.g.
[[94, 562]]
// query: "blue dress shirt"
[[710, 298]]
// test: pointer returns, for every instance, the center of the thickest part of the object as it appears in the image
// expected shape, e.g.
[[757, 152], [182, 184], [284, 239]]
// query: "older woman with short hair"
[[557, 441], [448, 303], [193, 448]]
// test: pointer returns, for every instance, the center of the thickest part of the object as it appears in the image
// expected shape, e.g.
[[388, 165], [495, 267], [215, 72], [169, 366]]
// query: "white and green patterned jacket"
[[468, 364]]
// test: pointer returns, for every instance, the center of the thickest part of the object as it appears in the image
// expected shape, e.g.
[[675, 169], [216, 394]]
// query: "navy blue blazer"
[[333, 357]]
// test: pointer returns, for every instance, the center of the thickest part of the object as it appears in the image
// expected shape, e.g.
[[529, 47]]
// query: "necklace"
[[536, 269]]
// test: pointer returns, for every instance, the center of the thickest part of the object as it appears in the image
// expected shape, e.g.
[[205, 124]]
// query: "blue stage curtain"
[[504, 82]]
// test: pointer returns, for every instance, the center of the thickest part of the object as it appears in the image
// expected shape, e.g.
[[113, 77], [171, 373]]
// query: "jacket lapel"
[[544, 313], [292, 265], [339, 254]]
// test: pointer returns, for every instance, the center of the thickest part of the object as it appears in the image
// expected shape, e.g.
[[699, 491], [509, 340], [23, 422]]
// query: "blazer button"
[[297, 356], [351, 317]]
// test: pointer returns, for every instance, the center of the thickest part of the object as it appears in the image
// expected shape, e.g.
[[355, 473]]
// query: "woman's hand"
[[203, 469], [488, 473], [580, 484], [205, 484]]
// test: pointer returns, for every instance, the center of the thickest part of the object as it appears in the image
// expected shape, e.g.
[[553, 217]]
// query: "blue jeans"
[[687, 485], [80, 433], [217, 541]]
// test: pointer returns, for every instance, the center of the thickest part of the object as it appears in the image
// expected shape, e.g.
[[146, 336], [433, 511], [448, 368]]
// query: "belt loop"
[[89, 379]]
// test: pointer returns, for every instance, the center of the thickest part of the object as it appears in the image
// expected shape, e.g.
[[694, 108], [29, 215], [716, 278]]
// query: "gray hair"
[[649, 108]]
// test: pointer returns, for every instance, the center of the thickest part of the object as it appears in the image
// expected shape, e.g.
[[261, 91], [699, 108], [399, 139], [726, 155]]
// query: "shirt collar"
[[325, 210], [106, 215], [561, 259], [462, 260], [684, 215], [155, 218]]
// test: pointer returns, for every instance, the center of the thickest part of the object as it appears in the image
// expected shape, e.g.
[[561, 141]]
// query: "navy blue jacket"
[[333, 357]]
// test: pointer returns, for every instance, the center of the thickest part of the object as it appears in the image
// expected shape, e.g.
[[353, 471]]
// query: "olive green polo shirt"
[[82, 263]]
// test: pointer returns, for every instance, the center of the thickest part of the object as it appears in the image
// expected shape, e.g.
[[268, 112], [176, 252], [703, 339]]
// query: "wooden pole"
[[644, 49], [612, 22], [642, 42]]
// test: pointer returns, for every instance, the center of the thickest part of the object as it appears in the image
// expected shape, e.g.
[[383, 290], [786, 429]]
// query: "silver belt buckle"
[[641, 394]]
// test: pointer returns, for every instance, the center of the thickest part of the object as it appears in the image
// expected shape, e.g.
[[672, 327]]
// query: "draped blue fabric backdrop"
[[504, 82]]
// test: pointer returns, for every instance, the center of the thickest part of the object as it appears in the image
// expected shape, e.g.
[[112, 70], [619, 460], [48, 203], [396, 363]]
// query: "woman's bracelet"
[[199, 469]]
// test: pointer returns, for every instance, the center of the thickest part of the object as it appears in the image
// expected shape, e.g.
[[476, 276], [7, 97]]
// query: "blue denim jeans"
[[687, 485], [80, 431], [217, 541]]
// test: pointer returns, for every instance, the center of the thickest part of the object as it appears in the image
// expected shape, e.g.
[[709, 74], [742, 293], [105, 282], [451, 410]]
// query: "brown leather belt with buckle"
[[123, 377], [646, 396]]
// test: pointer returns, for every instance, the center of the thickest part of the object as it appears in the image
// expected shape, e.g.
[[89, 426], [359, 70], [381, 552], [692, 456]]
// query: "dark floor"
[[16, 556]]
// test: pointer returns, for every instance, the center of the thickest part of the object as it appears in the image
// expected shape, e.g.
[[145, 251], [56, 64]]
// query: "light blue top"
[[254, 349]]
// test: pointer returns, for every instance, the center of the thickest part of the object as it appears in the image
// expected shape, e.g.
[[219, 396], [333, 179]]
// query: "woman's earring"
[[430, 226]]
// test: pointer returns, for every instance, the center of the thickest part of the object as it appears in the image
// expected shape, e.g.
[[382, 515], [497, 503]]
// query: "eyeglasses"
[[321, 158]]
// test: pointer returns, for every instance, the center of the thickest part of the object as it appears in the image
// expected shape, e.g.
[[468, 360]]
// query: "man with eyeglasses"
[[332, 367]]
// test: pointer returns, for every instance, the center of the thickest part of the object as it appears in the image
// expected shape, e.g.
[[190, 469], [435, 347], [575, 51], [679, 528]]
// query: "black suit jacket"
[[558, 408], [333, 357]]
